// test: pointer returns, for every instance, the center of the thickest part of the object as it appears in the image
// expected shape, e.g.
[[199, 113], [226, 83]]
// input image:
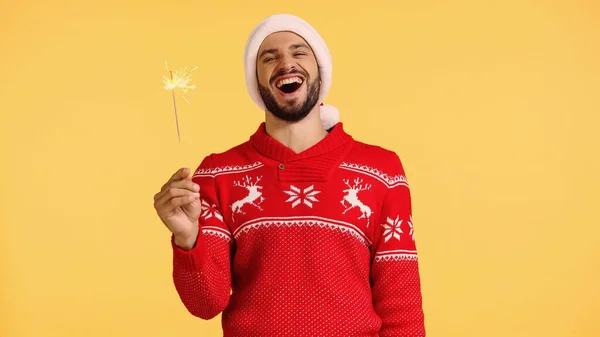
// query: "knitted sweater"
[[319, 243]]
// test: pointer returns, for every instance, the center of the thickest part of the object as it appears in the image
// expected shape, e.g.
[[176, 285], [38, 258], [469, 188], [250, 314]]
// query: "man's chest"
[[259, 197]]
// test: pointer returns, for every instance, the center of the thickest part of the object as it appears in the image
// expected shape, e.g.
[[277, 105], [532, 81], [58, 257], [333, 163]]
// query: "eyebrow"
[[299, 45], [274, 50]]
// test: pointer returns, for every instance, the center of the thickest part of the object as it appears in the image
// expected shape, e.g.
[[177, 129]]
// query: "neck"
[[298, 136]]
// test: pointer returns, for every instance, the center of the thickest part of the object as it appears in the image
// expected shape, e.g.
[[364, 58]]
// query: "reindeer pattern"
[[254, 196], [356, 197], [351, 200]]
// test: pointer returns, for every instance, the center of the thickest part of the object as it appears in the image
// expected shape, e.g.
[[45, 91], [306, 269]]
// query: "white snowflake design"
[[208, 211], [305, 196], [392, 228]]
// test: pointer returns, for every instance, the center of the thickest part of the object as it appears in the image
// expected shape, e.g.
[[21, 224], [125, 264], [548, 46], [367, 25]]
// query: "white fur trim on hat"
[[330, 115], [291, 23]]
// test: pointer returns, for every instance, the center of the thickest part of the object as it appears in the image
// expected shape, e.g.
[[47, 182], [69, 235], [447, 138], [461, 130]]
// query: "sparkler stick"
[[175, 108], [179, 80]]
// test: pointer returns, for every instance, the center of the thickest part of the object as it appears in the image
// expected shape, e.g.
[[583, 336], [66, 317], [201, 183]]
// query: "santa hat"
[[291, 23]]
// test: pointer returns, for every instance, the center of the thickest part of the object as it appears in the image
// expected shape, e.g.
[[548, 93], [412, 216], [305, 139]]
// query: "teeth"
[[288, 81]]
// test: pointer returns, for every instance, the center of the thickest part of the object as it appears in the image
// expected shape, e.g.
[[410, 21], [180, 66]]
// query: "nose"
[[287, 62]]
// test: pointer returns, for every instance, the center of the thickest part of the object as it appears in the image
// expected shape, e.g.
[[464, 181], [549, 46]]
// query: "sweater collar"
[[271, 148]]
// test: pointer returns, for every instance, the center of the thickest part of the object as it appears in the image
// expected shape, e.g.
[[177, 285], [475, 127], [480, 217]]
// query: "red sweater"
[[319, 243]]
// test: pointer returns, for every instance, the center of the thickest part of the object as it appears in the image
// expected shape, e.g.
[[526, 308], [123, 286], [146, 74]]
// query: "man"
[[301, 230]]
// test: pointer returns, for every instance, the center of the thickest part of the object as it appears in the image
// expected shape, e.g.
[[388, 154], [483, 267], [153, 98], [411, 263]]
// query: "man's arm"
[[395, 276], [202, 274]]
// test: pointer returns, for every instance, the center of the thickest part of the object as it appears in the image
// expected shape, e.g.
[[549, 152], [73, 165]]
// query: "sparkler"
[[179, 80]]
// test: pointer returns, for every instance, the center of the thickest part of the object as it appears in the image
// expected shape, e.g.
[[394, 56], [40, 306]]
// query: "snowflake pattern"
[[208, 211], [410, 225], [305, 196], [392, 229]]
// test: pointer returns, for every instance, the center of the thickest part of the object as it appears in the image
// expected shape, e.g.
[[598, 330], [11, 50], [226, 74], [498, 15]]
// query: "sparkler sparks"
[[179, 80]]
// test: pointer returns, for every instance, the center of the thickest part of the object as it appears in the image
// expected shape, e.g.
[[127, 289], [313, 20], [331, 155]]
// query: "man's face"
[[288, 76]]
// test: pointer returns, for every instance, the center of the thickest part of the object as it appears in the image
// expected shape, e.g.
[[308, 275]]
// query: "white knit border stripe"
[[229, 169], [302, 221], [396, 255], [387, 180], [218, 232]]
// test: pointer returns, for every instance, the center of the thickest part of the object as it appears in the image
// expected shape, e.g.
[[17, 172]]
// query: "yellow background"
[[492, 106]]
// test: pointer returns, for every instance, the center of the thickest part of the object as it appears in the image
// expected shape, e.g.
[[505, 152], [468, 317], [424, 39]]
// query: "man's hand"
[[178, 206]]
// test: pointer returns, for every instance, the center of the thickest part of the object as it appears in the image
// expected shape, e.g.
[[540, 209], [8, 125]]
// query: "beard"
[[293, 111]]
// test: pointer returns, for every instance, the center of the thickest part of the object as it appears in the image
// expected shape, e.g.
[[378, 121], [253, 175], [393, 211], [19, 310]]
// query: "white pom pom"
[[330, 116]]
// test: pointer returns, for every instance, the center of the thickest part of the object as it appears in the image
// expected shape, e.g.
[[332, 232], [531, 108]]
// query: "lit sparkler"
[[179, 80]]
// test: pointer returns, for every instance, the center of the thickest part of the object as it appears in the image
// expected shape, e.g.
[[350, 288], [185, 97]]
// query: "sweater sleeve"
[[202, 275], [395, 276]]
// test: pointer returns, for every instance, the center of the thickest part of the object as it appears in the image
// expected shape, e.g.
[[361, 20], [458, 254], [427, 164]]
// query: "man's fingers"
[[164, 197], [182, 184], [186, 184], [174, 192], [182, 173], [172, 203]]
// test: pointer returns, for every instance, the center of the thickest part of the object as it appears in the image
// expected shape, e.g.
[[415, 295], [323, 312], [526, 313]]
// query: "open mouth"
[[289, 85]]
